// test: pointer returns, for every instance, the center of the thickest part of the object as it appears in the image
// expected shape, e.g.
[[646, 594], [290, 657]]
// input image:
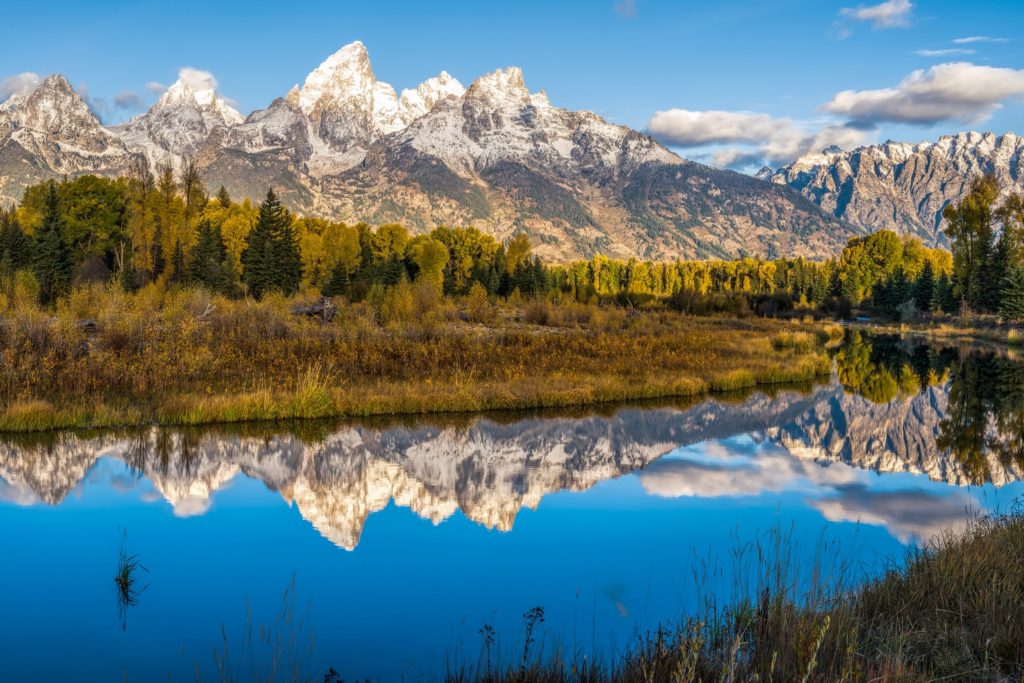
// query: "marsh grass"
[[168, 359], [126, 581], [771, 610], [952, 610], [268, 653]]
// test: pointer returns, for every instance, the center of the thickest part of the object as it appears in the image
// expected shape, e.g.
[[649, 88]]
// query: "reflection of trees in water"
[[882, 368], [985, 410]]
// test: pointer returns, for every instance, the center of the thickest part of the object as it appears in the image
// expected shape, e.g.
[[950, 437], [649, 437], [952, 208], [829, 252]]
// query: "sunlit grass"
[[167, 359], [950, 611]]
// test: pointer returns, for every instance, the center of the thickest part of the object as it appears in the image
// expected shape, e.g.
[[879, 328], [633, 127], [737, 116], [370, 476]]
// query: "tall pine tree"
[[924, 288], [52, 258], [271, 260], [206, 265], [223, 198], [1011, 300], [15, 251], [287, 259]]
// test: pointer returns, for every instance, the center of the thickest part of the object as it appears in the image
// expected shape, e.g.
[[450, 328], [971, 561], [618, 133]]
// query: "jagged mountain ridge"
[[488, 470], [494, 155], [50, 132], [903, 186]]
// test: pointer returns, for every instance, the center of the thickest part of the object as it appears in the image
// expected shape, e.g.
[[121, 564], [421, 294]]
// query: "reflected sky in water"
[[404, 540]]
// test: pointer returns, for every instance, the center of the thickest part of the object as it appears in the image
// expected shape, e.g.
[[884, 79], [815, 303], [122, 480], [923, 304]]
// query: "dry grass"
[[184, 357], [953, 611]]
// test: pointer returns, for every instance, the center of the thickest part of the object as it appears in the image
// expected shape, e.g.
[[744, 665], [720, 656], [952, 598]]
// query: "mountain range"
[[903, 186], [823, 441], [494, 155]]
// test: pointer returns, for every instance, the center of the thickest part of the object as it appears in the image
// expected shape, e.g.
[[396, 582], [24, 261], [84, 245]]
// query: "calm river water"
[[382, 549]]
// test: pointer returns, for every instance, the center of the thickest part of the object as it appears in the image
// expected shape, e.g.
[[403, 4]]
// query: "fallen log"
[[325, 309]]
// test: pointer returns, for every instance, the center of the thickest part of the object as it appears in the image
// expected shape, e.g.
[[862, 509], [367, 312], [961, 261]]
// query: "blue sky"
[[753, 79]]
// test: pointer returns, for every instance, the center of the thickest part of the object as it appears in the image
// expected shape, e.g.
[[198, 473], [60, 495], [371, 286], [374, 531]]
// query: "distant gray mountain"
[[494, 155], [902, 186]]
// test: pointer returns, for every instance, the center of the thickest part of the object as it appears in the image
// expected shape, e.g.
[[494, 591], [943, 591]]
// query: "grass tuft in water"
[[126, 581]]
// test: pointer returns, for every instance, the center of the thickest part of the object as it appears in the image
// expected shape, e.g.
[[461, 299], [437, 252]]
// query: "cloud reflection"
[[745, 467], [740, 467], [909, 514]]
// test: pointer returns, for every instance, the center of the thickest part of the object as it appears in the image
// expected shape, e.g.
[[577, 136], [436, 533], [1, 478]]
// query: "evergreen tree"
[[995, 274], [178, 264], [52, 262], [287, 259], [338, 282], [945, 294], [259, 267], [15, 250], [924, 288], [128, 277], [223, 198], [206, 265], [1011, 304], [159, 264]]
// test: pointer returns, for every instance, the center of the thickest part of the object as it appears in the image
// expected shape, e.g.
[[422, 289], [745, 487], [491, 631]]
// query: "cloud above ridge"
[[955, 91]]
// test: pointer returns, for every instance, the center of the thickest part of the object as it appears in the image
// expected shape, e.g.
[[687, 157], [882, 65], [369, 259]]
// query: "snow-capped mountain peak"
[[414, 103], [195, 89], [53, 106], [904, 185], [344, 73], [343, 144], [502, 85]]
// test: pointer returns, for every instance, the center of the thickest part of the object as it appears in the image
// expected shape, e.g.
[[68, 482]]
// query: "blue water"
[[409, 595]]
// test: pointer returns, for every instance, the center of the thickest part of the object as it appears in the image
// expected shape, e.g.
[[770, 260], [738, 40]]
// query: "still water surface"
[[402, 540]]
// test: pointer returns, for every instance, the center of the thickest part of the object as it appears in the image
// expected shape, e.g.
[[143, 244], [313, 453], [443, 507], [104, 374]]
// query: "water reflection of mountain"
[[490, 470]]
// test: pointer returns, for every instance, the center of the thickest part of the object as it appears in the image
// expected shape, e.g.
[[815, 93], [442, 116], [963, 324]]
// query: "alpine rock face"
[[50, 132], [179, 124], [902, 186], [495, 155]]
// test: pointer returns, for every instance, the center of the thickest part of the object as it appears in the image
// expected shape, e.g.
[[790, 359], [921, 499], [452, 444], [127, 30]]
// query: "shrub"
[[478, 305]]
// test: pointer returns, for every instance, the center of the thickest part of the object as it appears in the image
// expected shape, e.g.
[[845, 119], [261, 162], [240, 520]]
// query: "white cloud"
[[945, 52], [979, 39], [126, 99], [907, 514], [21, 496], [716, 469], [196, 79], [772, 140], [626, 8], [23, 82], [889, 14], [156, 88], [839, 491], [957, 91], [193, 505]]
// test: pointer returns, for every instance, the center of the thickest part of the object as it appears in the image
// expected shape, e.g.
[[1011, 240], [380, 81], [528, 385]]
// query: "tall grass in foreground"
[[280, 651], [953, 611]]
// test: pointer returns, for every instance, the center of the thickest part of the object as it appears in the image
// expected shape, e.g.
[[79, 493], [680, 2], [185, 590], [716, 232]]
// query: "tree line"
[[166, 229]]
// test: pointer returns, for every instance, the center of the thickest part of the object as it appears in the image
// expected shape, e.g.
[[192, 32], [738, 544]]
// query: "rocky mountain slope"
[[904, 186], [494, 155], [490, 471], [50, 132]]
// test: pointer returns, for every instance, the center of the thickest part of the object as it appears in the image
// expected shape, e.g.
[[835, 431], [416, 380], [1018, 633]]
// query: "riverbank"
[[184, 358], [935, 617], [979, 330]]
